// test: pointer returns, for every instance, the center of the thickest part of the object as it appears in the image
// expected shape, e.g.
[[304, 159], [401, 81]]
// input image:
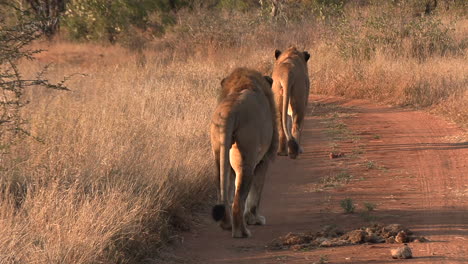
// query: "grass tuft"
[[369, 206]]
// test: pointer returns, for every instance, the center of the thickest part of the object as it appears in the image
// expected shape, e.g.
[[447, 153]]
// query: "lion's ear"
[[277, 53], [268, 79], [222, 82], [306, 56]]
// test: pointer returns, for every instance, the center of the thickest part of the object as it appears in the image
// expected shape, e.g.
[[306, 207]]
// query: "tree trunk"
[[274, 8]]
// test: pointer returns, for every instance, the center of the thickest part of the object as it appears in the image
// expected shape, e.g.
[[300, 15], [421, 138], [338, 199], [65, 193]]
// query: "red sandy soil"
[[418, 178]]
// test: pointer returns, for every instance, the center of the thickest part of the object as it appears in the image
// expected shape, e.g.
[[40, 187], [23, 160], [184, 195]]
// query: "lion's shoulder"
[[243, 79]]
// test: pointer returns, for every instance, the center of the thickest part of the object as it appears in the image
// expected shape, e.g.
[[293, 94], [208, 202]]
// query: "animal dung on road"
[[334, 237]]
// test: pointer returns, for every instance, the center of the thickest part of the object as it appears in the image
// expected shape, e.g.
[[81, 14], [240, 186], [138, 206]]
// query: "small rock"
[[390, 240], [369, 231], [401, 252], [401, 237], [336, 155]]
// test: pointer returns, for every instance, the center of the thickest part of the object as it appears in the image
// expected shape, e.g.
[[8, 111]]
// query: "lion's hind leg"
[[221, 212], [226, 223], [252, 215], [282, 146], [297, 124], [243, 182]]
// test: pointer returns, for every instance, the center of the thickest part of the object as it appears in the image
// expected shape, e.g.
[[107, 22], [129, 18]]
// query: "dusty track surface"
[[411, 165]]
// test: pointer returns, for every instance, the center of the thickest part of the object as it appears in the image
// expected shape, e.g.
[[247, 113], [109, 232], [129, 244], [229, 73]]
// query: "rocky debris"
[[420, 240], [331, 236], [331, 231], [334, 243], [356, 236], [401, 237], [296, 239], [334, 155], [373, 239], [401, 252], [393, 229]]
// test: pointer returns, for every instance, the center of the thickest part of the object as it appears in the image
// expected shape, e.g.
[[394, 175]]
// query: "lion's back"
[[248, 94]]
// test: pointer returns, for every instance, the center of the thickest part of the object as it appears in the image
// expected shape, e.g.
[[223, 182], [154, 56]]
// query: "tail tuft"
[[293, 148], [218, 212]]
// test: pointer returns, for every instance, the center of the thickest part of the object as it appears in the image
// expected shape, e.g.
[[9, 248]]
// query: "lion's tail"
[[292, 142], [219, 210]]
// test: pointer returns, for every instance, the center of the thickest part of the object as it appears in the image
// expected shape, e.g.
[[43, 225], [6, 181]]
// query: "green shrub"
[[347, 205]]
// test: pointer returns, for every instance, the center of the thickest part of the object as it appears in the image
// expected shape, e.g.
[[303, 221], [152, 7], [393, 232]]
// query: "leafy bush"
[[428, 36], [418, 38], [326, 10], [369, 206], [101, 19]]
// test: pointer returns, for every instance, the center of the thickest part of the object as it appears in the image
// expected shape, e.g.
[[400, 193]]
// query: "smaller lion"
[[244, 139], [291, 90]]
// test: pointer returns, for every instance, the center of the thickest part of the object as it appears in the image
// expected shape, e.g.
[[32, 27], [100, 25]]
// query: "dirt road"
[[410, 166]]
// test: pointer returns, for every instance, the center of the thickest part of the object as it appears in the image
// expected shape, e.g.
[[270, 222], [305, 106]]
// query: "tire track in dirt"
[[420, 181], [443, 180]]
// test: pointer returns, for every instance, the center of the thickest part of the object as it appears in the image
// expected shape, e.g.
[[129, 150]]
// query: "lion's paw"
[[255, 220], [241, 233], [226, 225], [282, 153]]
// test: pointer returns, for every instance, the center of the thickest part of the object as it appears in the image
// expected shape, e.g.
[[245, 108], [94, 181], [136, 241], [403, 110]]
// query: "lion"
[[244, 139], [291, 90]]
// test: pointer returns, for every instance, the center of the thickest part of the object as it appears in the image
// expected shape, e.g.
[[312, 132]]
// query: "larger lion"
[[244, 139], [291, 90]]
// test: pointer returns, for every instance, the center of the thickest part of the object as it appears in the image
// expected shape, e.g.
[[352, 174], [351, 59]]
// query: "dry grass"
[[125, 155], [439, 82]]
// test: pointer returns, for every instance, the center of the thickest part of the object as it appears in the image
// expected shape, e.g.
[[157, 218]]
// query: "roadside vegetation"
[[110, 170]]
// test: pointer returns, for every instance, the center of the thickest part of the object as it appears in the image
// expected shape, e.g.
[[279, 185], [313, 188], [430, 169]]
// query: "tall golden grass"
[[124, 158]]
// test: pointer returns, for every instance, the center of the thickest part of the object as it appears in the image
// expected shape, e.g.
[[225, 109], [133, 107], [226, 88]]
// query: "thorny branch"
[[14, 41]]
